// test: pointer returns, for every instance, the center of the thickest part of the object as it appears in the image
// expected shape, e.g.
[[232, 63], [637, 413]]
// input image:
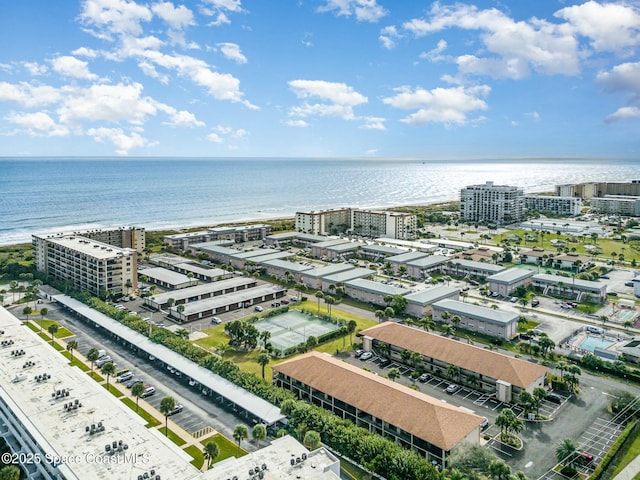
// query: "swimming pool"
[[591, 343]]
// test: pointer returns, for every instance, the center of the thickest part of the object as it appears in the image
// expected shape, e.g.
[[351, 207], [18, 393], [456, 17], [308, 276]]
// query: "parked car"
[[358, 352], [605, 277], [484, 424], [178, 408], [424, 377], [258, 308], [102, 360], [284, 301], [628, 284], [132, 382], [126, 376], [535, 302], [275, 304], [587, 458], [366, 356], [294, 299], [453, 388], [385, 363], [148, 391], [216, 320], [553, 398], [513, 299]]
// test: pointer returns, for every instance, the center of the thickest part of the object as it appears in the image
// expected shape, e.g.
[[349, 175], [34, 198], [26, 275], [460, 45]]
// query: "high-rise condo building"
[[492, 204]]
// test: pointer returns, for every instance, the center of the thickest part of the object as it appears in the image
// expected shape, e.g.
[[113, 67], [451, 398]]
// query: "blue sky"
[[320, 78]]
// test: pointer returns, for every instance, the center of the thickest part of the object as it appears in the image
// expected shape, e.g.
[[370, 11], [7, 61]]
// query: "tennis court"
[[292, 328]]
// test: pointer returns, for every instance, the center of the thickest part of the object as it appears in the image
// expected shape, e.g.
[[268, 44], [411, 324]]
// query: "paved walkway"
[[150, 409], [631, 471]]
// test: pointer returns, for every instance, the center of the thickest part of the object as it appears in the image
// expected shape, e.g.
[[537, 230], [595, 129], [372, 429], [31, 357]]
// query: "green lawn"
[[631, 453], [151, 420], [61, 333], [75, 362], [226, 447], [173, 436], [96, 376], [196, 453], [113, 390]]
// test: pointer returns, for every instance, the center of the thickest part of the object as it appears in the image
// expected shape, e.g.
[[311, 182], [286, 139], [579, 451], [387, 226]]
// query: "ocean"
[[48, 195]]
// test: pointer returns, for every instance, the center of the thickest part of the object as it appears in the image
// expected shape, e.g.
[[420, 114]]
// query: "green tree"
[[259, 432], [566, 452], [379, 315], [449, 330], [264, 336], [311, 440], [10, 472], [240, 433], [499, 470], [43, 313], [546, 344], [319, 295], [526, 400], [53, 329], [26, 311], [92, 356], [453, 371], [455, 320], [71, 346], [393, 374], [108, 369], [183, 333], [427, 323], [399, 303], [167, 405], [351, 328], [136, 391], [263, 360], [389, 312], [210, 452]]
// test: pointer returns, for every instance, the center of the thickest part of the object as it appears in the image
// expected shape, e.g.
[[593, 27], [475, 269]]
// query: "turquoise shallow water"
[[50, 195]]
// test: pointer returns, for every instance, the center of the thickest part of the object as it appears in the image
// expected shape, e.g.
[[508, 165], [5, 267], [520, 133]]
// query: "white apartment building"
[[494, 204], [370, 223], [87, 264], [564, 206], [617, 205], [324, 222]]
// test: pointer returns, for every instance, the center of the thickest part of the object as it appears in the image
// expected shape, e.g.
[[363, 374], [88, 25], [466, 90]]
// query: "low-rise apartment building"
[[419, 304], [469, 268], [482, 369], [494, 323], [569, 287], [370, 291], [87, 264], [505, 282], [417, 421], [425, 266]]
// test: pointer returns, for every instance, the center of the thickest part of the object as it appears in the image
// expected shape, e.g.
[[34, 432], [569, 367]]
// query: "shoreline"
[[186, 229]]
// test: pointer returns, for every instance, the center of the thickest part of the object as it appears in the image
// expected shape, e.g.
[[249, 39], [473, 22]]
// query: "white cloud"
[[221, 19], [38, 124], [364, 10], [228, 5], [232, 52], [214, 137], [178, 18], [69, 66], [35, 69], [610, 26], [516, 46], [388, 36], [296, 123], [107, 17], [435, 54], [374, 123], [29, 95], [120, 139], [85, 52], [340, 99], [111, 103], [149, 70], [180, 118], [440, 105], [624, 113], [535, 116], [623, 78]]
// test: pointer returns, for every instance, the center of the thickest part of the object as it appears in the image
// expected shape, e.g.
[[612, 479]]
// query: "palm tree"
[[389, 312], [566, 452], [108, 369], [526, 400], [210, 452], [53, 329], [448, 330], [499, 470], [240, 433], [393, 374], [26, 311], [351, 328], [92, 356], [43, 313], [183, 333], [258, 433], [264, 335], [379, 315], [167, 405], [427, 323], [136, 391], [455, 320], [562, 367], [263, 359], [453, 371], [319, 295], [71, 346], [222, 349], [329, 301]]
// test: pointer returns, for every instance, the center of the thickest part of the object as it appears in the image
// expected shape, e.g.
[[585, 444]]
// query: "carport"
[[247, 404]]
